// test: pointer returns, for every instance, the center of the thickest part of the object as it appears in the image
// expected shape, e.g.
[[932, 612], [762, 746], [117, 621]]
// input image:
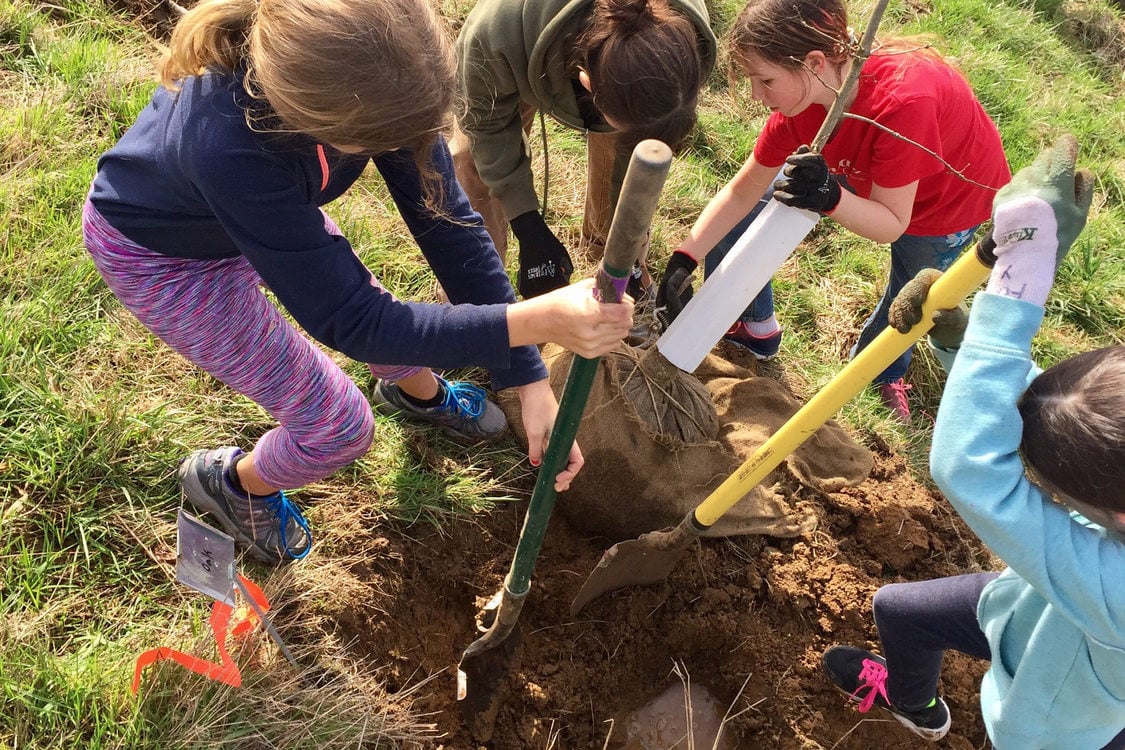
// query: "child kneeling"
[[1035, 464]]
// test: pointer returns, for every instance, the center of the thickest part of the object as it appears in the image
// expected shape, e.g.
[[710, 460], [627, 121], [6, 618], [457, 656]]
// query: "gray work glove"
[[1037, 217], [906, 311]]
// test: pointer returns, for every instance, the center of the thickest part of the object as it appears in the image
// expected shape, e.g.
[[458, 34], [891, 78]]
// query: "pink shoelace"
[[897, 391], [873, 678]]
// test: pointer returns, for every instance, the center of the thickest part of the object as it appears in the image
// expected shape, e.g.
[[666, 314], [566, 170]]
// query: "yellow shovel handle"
[[948, 291]]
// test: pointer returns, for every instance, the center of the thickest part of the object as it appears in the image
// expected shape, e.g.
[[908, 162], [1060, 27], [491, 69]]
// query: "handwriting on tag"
[[204, 558]]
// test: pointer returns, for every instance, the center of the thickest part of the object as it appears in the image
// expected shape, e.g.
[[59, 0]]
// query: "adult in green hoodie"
[[618, 70]]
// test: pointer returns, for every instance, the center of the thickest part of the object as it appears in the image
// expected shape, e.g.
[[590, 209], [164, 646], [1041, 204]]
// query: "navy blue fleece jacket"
[[192, 179]]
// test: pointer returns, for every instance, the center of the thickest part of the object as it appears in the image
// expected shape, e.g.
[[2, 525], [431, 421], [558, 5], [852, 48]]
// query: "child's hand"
[[807, 183], [544, 262], [674, 290], [906, 311], [1037, 216], [539, 409]]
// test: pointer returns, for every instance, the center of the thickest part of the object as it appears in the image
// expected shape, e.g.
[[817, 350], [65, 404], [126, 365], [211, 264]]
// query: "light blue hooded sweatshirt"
[[1055, 618]]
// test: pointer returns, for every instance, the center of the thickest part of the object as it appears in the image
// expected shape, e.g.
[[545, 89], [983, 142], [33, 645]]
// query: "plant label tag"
[[204, 558]]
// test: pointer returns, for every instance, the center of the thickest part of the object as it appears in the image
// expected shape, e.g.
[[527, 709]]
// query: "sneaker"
[[894, 398], [271, 528], [761, 347], [466, 414], [854, 670]]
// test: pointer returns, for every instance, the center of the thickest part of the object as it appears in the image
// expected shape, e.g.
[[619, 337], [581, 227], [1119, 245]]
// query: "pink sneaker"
[[894, 398]]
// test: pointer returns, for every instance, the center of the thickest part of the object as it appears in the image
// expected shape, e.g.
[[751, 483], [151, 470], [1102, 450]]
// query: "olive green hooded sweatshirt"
[[513, 51]]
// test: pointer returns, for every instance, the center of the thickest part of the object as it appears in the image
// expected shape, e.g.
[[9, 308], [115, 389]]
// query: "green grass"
[[94, 414]]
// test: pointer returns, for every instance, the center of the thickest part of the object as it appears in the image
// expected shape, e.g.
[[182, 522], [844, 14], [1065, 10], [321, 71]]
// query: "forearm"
[[729, 206], [869, 218]]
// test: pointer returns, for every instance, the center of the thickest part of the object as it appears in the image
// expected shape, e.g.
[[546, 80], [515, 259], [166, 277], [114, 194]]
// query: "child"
[[618, 70], [270, 109], [797, 53], [1035, 463]]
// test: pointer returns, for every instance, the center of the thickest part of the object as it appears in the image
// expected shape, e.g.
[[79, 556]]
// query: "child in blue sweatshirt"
[[1035, 464], [269, 110]]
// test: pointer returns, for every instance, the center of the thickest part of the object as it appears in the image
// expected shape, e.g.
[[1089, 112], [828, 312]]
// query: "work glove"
[[807, 183], [1037, 217], [906, 311], [545, 264], [674, 290]]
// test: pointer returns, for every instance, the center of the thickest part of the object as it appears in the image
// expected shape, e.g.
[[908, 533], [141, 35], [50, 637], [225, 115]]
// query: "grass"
[[94, 414]]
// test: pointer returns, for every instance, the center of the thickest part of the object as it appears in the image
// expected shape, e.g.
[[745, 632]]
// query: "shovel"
[[484, 663], [651, 557]]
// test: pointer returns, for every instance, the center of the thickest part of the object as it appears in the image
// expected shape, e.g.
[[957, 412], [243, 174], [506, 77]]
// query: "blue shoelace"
[[464, 398], [284, 509]]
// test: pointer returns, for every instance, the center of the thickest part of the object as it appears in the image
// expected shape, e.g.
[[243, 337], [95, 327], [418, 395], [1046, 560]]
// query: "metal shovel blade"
[[484, 665], [643, 561]]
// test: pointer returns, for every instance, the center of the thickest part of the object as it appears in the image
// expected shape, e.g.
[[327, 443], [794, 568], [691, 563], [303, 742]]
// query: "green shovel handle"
[[640, 192]]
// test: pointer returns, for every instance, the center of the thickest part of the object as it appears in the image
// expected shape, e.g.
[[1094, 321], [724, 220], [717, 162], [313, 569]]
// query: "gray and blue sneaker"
[[465, 414], [271, 528]]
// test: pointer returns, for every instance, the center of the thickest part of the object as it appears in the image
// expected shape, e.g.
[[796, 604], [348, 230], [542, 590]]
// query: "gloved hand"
[[807, 183], [674, 290], [544, 262], [1037, 217], [906, 311]]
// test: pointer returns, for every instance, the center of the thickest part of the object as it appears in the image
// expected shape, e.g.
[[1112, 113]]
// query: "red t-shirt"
[[928, 102]]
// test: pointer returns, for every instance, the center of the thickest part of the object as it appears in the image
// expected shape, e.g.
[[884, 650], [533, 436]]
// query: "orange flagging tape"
[[225, 621]]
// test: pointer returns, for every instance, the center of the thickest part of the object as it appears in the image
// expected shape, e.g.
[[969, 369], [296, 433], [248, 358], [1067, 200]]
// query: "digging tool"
[[483, 664], [758, 254], [651, 557]]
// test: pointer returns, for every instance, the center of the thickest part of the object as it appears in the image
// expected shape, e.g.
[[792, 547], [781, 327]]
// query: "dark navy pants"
[[919, 621]]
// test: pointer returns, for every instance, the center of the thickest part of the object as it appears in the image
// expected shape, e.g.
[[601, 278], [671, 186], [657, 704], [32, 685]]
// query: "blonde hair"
[[370, 74]]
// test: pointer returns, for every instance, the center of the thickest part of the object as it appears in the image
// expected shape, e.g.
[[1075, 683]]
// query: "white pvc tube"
[[751, 263]]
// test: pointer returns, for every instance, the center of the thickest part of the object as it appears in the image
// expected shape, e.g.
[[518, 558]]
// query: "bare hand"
[[572, 318], [540, 408]]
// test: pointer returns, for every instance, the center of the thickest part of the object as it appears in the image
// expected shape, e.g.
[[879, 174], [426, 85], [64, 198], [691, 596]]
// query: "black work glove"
[[545, 264], [807, 183], [674, 290], [906, 311]]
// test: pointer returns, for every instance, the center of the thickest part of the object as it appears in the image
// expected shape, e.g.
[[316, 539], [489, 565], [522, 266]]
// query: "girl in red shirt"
[[901, 189]]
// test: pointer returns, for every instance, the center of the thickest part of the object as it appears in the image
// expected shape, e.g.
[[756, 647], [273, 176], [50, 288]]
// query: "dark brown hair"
[[1074, 428], [645, 67]]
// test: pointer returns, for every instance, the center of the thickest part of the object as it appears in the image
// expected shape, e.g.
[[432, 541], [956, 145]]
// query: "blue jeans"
[[909, 255]]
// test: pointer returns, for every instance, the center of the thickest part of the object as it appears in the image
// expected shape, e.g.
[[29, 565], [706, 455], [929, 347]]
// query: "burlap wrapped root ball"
[[644, 473]]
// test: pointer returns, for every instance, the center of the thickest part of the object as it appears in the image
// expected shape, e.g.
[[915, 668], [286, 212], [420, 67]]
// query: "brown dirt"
[[746, 617]]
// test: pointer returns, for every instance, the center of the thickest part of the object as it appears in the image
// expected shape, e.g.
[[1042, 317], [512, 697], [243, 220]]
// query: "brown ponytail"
[[645, 67]]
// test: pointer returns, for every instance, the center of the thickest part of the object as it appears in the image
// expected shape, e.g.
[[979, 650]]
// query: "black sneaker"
[[271, 528], [466, 414], [854, 670]]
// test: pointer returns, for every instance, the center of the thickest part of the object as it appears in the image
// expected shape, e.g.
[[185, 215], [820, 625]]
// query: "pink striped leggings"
[[214, 313]]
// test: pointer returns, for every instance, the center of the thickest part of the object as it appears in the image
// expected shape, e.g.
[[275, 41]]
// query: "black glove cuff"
[[530, 228], [680, 260]]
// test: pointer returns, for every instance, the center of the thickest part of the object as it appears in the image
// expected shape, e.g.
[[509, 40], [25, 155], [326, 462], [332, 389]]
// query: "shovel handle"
[[970, 270], [640, 192]]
